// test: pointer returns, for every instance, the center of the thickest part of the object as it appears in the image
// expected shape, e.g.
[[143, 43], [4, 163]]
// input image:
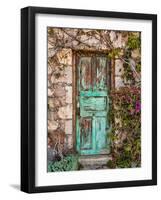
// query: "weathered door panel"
[[100, 73], [85, 73], [92, 105], [85, 133], [101, 136]]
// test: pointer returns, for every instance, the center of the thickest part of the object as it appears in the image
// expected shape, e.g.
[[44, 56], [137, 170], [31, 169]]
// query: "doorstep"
[[89, 162]]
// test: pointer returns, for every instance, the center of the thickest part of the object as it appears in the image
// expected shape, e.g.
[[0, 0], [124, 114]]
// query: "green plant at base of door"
[[68, 163]]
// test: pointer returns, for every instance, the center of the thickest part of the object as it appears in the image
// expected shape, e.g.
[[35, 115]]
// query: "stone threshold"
[[93, 162]]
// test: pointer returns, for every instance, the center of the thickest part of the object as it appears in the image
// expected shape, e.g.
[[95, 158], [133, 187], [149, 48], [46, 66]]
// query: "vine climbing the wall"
[[125, 112]]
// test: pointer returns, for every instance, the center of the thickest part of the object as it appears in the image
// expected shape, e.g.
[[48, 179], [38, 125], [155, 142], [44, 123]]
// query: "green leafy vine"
[[125, 116]]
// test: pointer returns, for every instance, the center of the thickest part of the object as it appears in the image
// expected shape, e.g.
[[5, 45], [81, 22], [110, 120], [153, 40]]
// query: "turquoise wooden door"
[[92, 104]]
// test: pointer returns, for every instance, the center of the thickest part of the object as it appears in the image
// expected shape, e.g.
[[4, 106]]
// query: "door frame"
[[111, 84]]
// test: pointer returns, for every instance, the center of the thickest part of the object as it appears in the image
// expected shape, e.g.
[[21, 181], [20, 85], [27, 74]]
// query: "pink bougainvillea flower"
[[137, 106]]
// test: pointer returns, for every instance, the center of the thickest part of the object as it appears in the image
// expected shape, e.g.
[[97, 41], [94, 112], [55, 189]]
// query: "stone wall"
[[60, 97], [60, 78]]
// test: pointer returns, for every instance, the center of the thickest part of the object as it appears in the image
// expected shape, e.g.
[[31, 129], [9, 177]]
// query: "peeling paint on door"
[[92, 105]]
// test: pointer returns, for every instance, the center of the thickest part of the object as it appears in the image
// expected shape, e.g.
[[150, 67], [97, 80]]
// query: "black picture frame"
[[28, 98]]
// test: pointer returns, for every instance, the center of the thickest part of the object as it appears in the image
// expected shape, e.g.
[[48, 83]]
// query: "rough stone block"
[[50, 92], [112, 36], [65, 112], [118, 43], [118, 67], [52, 125], [65, 56], [49, 83], [49, 70], [68, 94], [69, 141], [52, 115], [68, 127], [61, 124], [64, 76], [68, 74], [56, 102], [52, 103], [118, 82], [59, 91]]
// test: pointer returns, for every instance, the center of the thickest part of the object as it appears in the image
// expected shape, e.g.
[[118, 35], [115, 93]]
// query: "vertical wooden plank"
[[85, 73], [100, 73], [101, 124], [86, 133], [94, 134], [76, 97], [93, 74], [108, 74], [78, 134]]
